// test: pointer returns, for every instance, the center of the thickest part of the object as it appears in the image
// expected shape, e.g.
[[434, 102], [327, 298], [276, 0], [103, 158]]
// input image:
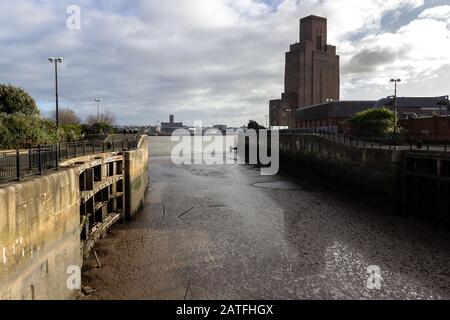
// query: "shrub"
[[20, 130], [72, 132], [16, 100], [252, 124], [373, 122]]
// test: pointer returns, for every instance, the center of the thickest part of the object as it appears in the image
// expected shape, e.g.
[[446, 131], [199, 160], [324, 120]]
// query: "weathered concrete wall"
[[39, 236], [40, 225], [376, 169], [136, 178]]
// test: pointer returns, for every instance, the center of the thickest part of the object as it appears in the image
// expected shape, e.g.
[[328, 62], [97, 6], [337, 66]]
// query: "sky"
[[216, 61]]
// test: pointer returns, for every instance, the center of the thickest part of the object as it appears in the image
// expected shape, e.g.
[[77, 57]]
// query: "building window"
[[319, 39]]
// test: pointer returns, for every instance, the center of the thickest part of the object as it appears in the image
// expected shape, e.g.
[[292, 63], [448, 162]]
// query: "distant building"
[[331, 114], [415, 107], [433, 128], [171, 126], [311, 73], [337, 113]]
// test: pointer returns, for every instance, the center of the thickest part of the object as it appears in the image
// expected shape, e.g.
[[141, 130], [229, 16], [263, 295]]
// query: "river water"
[[226, 232]]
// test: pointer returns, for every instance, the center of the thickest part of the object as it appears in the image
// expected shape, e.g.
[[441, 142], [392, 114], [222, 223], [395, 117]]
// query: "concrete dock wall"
[[375, 169], [136, 178], [40, 231], [39, 236]]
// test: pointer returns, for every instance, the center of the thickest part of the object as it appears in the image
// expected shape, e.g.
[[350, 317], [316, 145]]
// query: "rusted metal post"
[[40, 160], [18, 164], [56, 158]]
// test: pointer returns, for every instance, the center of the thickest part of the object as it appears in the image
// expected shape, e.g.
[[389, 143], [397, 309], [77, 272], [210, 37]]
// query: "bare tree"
[[66, 116], [105, 118]]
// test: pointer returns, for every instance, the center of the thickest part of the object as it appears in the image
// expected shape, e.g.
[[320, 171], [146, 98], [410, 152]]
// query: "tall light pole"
[[56, 61], [395, 81], [98, 108]]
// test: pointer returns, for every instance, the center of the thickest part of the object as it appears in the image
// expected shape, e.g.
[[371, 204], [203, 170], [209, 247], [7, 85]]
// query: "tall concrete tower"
[[311, 73]]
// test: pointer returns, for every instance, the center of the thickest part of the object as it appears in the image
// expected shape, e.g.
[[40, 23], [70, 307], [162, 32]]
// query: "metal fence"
[[372, 142], [37, 160]]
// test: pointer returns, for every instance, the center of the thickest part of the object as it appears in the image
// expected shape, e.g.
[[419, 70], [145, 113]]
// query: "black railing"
[[372, 142], [37, 160]]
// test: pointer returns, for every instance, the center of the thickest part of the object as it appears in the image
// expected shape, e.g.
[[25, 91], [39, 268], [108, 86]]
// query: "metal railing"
[[38, 160], [372, 142]]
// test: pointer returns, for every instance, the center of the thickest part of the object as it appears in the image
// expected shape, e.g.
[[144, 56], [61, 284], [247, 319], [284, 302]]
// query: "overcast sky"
[[218, 61]]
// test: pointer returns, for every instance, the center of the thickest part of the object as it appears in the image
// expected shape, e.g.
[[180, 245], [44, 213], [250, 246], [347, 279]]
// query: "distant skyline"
[[218, 61]]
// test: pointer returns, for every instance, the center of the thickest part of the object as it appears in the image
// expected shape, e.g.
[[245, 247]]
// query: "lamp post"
[[98, 108], [56, 61], [395, 81]]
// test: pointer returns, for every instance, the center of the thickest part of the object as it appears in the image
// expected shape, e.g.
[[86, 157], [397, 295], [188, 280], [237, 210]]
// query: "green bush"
[[16, 100], [72, 132], [252, 124], [19, 130], [373, 122]]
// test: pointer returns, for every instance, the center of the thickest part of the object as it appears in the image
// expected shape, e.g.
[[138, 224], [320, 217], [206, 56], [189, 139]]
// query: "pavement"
[[226, 232]]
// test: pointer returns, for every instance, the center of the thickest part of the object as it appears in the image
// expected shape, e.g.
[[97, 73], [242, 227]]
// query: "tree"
[[66, 117], [373, 122], [16, 100], [252, 124], [18, 130], [105, 122], [106, 118]]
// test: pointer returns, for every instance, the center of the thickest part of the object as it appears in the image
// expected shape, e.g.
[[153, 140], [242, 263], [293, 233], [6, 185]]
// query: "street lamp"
[[56, 61], [395, 81], [98, 107]]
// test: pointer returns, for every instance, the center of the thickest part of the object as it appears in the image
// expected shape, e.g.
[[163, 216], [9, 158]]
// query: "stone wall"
[[136, 178], [377, 170], [40, 225], [39, 236]]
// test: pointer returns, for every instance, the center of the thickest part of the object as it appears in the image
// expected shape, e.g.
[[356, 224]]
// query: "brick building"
[[337, 113], [311, 73], [331, 114], [433, 128]]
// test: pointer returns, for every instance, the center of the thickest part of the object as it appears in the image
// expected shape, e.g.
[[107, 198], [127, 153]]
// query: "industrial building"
[[311, 73]]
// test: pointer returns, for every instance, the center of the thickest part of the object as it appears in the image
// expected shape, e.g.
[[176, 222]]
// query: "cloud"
[[415, 52], [437, 13], [369, 60], [212, 60]]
